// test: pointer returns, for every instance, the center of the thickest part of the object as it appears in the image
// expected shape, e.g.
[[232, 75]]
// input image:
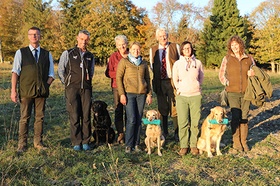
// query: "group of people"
[[177, 79]]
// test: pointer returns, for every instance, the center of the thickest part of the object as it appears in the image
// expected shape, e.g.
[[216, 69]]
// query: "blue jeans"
[[134, 112]]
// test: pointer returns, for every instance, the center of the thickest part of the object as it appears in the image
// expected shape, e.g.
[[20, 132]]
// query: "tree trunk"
[[272, 67], [1, 56]]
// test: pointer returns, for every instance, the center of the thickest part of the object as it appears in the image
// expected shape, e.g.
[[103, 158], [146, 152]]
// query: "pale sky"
[[244, 6]]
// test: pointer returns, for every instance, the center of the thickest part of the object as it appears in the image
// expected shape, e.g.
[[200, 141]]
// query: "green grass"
[[60, 165]]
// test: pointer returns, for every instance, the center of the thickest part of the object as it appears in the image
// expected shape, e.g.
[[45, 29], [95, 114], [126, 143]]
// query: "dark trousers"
[[167, 104], [119, 112], [78, 105], [25, 114]]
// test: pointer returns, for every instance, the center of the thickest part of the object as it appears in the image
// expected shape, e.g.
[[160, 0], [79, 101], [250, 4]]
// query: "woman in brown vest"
[[234, 72]]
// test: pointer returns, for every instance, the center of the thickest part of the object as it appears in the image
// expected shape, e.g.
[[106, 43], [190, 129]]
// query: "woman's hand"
[[149, 99], [251, 72], [123, 99]]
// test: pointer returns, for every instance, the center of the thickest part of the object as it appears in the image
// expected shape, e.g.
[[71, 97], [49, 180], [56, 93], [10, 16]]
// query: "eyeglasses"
[[36, 35]]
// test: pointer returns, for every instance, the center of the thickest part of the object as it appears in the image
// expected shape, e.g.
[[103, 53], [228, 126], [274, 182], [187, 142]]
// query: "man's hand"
[[14, 96]]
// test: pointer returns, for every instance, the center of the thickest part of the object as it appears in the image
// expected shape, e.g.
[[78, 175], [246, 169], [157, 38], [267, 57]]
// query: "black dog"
[[103, 132]]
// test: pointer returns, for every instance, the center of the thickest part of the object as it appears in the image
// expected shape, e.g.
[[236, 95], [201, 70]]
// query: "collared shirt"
[[18, 60], [161, 48]]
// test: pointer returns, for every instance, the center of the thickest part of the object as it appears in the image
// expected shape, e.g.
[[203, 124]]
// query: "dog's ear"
[[104, 105], [225, 112], [93, 105], [146, 113], [212, 113], [158, 114]]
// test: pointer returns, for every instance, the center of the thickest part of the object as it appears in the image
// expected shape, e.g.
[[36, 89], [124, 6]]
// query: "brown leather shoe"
[[137, 148], [40, 147], [194, 151], [21, 149], [183, 151]]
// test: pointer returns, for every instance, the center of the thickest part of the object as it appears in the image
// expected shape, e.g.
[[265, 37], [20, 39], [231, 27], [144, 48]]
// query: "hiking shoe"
[[194, 151], [137, 149], [183, 151], [40, 147], [127, 149], [77, 147], [86, 147], [21, 149]]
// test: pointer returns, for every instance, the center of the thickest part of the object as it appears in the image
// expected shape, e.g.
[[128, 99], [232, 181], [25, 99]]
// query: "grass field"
[[60, 165]]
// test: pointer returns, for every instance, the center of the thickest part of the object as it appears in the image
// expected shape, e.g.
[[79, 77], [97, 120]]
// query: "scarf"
[[135, 61]]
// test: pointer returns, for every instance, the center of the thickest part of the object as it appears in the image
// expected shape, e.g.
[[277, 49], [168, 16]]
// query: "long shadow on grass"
[[57, 119], [266, 121], [263, 124]]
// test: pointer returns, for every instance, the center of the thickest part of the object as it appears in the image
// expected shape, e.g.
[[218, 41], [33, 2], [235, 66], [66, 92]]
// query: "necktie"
[[36, 55], [163, 64]]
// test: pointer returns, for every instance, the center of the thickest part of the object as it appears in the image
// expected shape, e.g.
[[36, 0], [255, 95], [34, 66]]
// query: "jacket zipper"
[[82, 65]]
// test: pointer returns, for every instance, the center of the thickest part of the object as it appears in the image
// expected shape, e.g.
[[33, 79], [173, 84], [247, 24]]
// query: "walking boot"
[[236, 147], [194, 151], [243, 136], [183, 151]]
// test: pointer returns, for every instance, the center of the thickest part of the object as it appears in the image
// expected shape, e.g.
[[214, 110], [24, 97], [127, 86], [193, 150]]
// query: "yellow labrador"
[[154, 137], [212, 130]]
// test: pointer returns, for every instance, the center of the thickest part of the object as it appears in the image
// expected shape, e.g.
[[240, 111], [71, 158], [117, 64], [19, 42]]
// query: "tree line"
[[208, 28]]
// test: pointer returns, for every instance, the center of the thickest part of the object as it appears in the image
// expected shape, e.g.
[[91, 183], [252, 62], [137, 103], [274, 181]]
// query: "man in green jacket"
[[33, 70]]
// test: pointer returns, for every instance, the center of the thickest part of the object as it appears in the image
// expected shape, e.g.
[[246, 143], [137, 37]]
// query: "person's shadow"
[[265, 121]]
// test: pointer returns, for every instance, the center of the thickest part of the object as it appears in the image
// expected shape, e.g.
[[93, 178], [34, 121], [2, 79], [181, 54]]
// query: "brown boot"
[[236, 139], [183, 151], [243, 136]]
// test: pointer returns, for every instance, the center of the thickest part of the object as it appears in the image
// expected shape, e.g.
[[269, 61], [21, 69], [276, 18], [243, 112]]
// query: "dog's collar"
[[214, 121], [154, 122]]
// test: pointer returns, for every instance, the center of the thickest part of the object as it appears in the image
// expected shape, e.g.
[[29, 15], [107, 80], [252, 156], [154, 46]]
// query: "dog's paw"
[[159, 153], [219, 154], [210, 155]]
